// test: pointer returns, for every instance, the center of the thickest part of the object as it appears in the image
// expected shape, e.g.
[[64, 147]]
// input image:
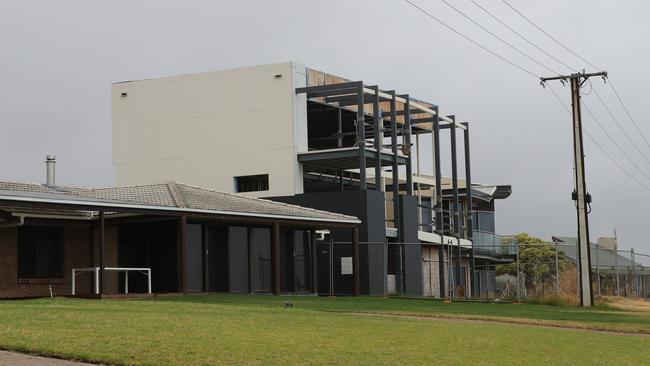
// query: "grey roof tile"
[[183, 196]]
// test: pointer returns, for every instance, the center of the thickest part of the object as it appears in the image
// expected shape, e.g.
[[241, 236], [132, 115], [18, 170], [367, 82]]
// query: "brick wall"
[[77, 250]]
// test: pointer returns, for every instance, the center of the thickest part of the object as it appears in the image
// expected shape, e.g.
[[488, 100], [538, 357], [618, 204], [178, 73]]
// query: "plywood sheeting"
[[317, 78]]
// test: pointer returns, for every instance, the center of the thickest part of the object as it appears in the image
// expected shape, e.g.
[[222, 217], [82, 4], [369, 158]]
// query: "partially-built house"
[[296, 135]]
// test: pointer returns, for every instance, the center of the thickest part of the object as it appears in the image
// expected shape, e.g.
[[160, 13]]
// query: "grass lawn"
[[245, 329]]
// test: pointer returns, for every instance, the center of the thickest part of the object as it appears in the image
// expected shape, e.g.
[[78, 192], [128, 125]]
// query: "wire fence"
[[506, 270]]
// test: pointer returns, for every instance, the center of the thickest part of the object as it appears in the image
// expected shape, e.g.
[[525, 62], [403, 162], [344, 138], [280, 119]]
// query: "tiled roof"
[[184, 197]]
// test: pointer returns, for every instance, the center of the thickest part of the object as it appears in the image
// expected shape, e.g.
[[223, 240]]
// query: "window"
[[252, 183], [40, 252]]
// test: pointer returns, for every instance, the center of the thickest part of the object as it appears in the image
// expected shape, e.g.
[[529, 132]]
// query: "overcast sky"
[[59, 58]]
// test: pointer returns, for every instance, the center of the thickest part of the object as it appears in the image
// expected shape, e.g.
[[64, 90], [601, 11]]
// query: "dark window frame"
[[251, 183], [32, 241]]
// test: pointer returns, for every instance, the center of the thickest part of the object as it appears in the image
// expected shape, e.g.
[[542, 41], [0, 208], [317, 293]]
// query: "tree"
[[536, 262]]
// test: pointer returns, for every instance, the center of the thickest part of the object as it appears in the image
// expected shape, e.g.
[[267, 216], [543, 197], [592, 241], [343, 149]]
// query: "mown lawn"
[[597, 318], [245, 329]]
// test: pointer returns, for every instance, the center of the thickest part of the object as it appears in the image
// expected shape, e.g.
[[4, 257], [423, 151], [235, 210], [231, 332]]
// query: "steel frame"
[[416, 118]]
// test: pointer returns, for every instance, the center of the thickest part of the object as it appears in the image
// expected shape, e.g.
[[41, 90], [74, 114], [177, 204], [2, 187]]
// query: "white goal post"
[[126, 270]]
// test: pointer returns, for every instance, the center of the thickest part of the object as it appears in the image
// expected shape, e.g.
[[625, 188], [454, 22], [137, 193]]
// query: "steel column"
[[361, 140], [469, 218], [393, 142], [378, 137], [355, 261], [456, 203], [407, 145], [438, 198]]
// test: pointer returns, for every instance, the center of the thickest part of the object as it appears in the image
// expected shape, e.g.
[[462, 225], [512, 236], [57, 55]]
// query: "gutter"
[[14, 223], [114, 205]]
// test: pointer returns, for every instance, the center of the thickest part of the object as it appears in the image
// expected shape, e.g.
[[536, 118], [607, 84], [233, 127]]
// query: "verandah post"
[[275, 257]]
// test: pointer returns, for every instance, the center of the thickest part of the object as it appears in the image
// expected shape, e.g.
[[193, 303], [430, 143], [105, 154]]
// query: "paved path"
[[20, 359]]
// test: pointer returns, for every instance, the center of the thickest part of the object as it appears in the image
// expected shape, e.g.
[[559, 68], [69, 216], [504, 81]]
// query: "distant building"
[[615, 271], [608, 243]]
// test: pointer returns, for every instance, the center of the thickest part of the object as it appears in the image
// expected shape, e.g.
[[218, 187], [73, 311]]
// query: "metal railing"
[[492, 244]]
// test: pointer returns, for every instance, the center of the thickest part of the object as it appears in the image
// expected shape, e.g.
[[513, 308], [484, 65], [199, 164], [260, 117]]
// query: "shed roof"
[[604, 258]]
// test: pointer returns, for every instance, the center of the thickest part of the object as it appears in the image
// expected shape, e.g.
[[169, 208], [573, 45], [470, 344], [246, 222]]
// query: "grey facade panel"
[[260, 260], [408, 228], [375, 226], [194, 258], [238, 258]]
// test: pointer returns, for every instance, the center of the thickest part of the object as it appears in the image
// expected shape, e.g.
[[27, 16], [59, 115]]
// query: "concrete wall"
[[204, 129], [77, 249]]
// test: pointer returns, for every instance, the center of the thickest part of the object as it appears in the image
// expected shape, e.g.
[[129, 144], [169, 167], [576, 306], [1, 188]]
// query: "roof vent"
[[50, 162]]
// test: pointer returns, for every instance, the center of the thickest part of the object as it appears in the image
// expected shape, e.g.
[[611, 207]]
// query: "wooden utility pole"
[[580, 194]]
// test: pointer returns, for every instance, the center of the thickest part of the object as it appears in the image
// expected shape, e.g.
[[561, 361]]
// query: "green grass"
[[244, 329], [597, 318]]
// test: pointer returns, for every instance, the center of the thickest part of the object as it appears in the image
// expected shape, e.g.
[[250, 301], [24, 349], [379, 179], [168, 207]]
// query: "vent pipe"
[[50, 162]]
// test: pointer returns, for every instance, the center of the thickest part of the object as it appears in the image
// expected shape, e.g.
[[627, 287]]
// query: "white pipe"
[[50, 162]]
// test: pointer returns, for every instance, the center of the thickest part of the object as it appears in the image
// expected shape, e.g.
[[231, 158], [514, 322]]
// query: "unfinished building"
[[301, 136]]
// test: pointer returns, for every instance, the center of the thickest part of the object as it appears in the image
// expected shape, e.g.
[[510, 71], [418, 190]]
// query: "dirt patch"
[[20, 359], [626, 303], [512, 321]]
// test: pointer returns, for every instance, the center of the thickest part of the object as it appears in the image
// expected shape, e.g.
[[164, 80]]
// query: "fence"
[[550, 269], [497, 267]]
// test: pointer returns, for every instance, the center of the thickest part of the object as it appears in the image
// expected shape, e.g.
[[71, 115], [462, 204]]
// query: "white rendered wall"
[[204, 129]]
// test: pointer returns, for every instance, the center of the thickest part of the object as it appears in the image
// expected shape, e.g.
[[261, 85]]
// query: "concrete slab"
[[21, 359]]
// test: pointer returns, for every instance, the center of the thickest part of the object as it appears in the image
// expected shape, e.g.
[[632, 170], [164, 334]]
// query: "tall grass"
[[567, 295]]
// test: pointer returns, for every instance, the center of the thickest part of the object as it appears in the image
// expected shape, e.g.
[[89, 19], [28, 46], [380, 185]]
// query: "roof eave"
[[99, 205]]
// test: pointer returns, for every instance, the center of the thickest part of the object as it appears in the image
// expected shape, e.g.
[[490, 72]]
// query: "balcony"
[[487, 243]]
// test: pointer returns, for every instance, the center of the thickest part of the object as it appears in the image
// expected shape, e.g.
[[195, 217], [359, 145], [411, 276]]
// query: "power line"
[[549, 36], [471, 40], [595, 92], [497, 37], [598, 145], [521, 36], [428, 14], [620, 127], [628, 113], [613, 141]]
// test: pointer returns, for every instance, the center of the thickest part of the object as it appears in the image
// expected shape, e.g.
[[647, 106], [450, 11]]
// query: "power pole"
[[580, 195]]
